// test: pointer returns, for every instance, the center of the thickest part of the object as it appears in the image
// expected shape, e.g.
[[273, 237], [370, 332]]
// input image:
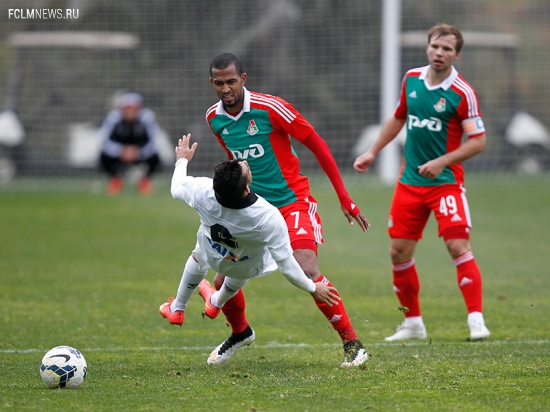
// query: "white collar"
[[246, 106], [445, 84]]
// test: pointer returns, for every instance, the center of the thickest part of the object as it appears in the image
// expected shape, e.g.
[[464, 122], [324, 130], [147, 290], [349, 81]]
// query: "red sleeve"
[[322, 152], [401, 109], [292, 121]]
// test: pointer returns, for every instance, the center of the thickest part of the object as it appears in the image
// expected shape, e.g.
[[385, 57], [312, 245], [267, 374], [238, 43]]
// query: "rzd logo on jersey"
[[254, 150], [433, 123]]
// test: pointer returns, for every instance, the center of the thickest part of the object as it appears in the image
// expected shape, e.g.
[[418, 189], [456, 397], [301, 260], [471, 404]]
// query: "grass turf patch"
[[82, 269]]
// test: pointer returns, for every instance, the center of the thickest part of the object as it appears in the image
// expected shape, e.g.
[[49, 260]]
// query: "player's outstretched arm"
[[292, 271], [181, 185]]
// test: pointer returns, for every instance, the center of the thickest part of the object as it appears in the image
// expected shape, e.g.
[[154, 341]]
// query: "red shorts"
[[304, 224], [411, 207]]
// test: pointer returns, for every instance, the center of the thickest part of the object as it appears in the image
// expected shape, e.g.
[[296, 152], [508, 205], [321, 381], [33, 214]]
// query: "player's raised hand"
[[183, 151], [326, 294]]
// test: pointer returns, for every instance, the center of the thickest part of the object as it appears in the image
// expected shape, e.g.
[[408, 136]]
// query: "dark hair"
[[224, 60], [442, 29], [229, 180]]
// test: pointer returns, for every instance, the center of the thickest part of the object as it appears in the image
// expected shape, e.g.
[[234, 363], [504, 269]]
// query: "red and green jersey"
[[437, 117], [260, 134]]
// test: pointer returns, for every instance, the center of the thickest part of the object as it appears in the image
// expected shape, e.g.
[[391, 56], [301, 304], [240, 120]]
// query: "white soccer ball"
[[63, 367]]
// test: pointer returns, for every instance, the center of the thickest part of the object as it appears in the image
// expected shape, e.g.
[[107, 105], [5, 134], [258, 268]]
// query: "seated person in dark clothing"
[[128, 135]]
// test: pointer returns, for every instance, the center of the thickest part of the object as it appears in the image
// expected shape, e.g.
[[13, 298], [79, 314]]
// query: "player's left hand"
[[432, 169], [326, 294], [359, 217]]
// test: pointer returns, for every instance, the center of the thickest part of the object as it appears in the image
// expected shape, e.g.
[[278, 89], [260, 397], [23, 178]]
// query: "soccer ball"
[[63, 367]]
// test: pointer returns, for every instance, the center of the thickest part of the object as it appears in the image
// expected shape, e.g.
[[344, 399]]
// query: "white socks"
[[476, 317], [192, 276], [414, 322], [229, 288]]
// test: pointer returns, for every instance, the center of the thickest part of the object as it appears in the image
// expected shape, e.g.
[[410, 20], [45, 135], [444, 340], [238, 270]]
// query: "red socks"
[[469, 281], [234, 309], [337, 316], [407, 286]]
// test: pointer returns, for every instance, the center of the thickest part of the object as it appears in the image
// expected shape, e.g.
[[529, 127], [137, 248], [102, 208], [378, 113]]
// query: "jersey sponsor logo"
[[412, 94], [221, 234], [433, 123], [252, 128], [224, 131], [254, 150], [226, 253], [440, 106]]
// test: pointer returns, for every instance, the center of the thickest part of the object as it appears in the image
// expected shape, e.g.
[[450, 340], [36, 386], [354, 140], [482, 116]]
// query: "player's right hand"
[[183, 151], [363, 162], [326, 294]]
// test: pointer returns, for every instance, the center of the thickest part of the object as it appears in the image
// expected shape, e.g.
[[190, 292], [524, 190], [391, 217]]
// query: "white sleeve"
[[188, 188], [179, 176], [290, 268], [277, 239]]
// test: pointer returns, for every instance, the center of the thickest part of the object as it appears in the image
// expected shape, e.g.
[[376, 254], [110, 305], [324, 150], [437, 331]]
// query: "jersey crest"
[[440, 106], [252, 128]]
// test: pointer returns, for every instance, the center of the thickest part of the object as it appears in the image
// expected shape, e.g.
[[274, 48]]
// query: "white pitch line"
[[293, 345]]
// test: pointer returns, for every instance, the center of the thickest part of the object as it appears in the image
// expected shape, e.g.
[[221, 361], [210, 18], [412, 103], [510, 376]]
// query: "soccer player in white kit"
[[241, 235]]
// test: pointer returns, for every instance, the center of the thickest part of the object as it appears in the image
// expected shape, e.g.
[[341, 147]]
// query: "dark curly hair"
[[229, 180]]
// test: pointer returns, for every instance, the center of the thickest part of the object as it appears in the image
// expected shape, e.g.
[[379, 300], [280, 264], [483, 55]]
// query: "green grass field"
[[79, 268]]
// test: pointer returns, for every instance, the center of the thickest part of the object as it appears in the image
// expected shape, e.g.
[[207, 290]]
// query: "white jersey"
[[241, 243]]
